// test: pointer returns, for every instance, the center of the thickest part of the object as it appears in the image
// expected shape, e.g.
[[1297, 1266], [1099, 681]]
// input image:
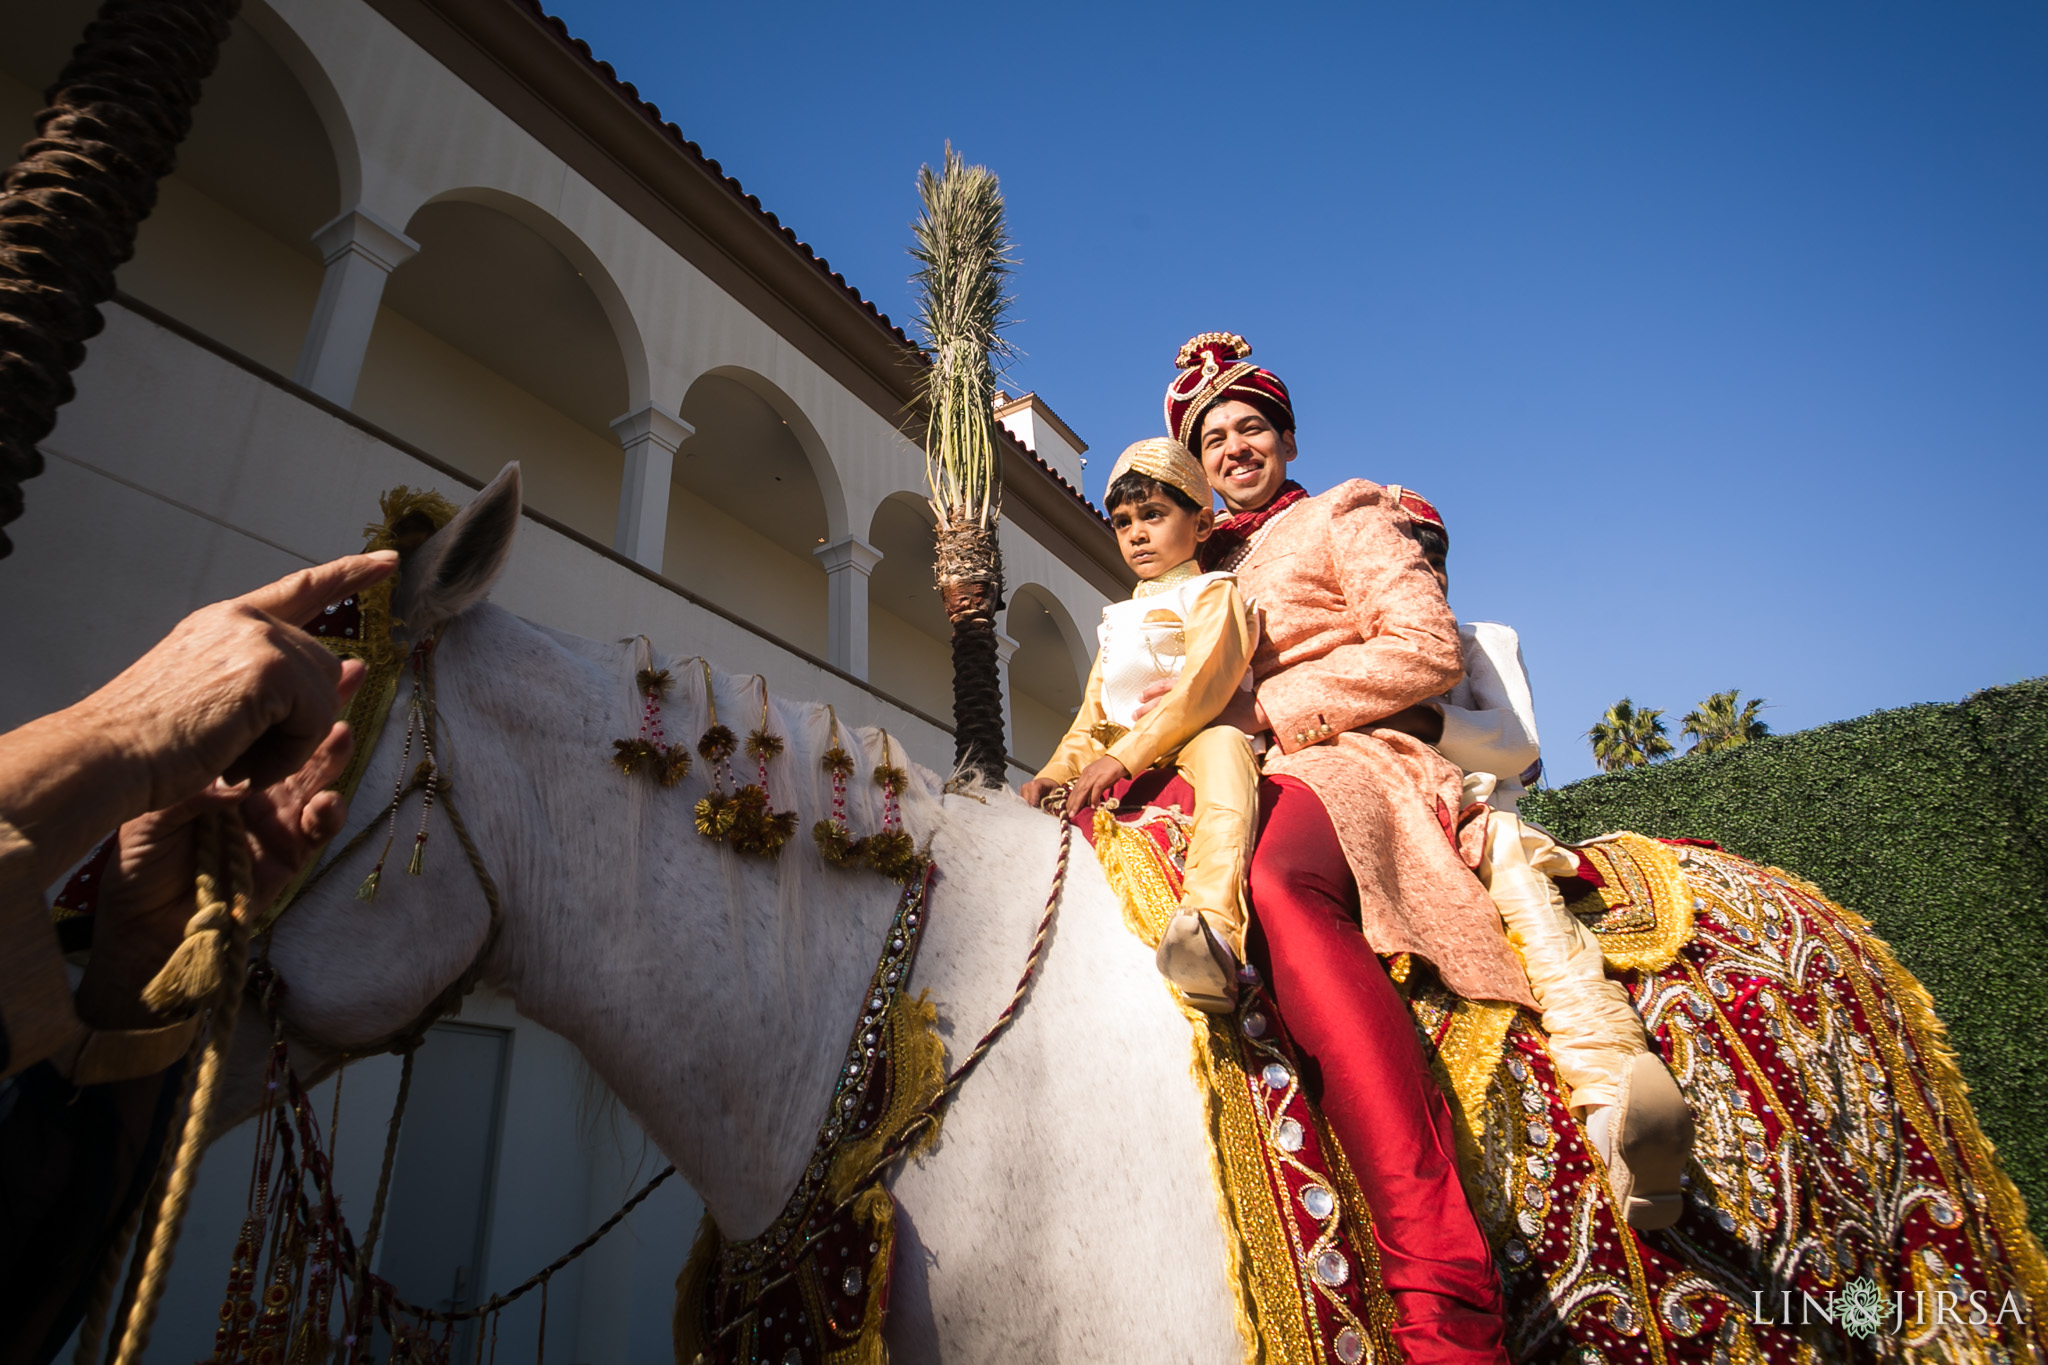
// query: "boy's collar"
[[1172, 578]]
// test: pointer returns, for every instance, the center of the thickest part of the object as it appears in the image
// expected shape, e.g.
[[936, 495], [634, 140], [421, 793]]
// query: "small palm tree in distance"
[[1629, 737], [1720, 722]]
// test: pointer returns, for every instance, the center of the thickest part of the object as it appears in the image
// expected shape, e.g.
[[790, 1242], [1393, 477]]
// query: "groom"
[[1358, 846]]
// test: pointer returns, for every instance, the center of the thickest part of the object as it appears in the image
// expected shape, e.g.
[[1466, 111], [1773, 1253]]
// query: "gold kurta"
[[1215, 638], [1353, 628]]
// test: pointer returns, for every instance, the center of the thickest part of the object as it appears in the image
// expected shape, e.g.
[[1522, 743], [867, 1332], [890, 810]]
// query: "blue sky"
[[1719, 333]]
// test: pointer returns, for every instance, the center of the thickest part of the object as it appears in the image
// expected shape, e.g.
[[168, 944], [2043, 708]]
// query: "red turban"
[[1420, 510], [1213, 369]]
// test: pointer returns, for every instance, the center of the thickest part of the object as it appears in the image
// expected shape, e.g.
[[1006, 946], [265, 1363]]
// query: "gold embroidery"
[[1172, 578], [1107, 732], [1468, 1059], [1275, 1312], [1645, 910]]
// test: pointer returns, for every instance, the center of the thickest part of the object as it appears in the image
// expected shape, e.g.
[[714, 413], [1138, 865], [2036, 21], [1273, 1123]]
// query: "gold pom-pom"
[[653, 681], [718, 743], [837, 845], [771, 830], [762, 746], [756, 829], [891, 779], [893, 854], [667, 766], [838, 762], [715, 816]]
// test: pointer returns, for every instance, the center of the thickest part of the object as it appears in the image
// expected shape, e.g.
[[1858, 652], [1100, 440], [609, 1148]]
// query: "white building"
[[407, 241]]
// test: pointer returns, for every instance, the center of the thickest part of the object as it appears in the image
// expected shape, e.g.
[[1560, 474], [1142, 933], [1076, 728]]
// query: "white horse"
[[1067, 1212]]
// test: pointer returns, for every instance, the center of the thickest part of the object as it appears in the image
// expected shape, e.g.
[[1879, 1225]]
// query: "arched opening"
[[228, 248], [492, 345], [910, 649], [1047, 673], [746, 508]]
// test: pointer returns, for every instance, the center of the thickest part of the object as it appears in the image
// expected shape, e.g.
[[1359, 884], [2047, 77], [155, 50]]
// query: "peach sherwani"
[[1353, 628]]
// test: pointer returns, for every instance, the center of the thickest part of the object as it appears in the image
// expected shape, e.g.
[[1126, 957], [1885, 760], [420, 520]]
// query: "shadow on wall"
[[491, 346]]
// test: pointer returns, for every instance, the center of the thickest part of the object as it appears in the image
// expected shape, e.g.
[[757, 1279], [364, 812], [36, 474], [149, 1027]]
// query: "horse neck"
[[714, 994]]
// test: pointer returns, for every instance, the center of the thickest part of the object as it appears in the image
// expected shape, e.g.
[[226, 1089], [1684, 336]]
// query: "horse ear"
[[456, 566]]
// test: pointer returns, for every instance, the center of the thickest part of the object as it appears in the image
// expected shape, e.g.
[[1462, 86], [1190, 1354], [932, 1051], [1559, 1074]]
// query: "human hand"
[[1037, 789], [1423, 720], [238, 689], [1094, 782], [146, 894]]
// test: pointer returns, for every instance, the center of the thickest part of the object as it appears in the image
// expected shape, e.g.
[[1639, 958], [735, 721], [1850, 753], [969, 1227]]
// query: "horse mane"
[[797, 778]]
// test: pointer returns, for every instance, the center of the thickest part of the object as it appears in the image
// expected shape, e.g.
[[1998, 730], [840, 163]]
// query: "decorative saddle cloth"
[[1843, 1204]]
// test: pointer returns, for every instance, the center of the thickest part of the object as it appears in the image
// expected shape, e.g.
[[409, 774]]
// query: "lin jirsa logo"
[[1861, 1309]]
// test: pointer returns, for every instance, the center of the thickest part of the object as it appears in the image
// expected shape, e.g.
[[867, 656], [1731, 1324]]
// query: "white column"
[[1006, 650], [848, 561], [361, 251], [650, 437]]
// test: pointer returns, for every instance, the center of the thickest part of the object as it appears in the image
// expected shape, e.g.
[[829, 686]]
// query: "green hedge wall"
[[1931, 822]]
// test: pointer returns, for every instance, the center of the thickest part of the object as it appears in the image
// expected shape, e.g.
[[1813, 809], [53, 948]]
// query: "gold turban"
[[1168, 461]]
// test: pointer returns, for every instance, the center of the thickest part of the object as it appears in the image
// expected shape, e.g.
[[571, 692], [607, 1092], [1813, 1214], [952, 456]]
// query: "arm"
[[1498, 734], [1218, 631], [1078, 749], [1408, 646], [237, 688]]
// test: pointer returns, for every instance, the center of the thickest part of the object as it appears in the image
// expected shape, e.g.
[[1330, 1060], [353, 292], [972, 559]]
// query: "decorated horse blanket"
[[1843, 1204]]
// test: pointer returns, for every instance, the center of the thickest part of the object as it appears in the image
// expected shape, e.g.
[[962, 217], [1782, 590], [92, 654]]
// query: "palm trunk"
[[970, 576], [69, 209]]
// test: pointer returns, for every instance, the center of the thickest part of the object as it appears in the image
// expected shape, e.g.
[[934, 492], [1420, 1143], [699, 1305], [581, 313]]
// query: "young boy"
[[1631, 1106], [1193, 628]]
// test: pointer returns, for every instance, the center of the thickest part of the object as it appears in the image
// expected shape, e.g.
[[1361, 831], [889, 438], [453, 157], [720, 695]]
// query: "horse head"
[[706, 988]]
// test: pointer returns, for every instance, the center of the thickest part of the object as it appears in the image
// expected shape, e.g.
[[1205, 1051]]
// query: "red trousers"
[[1362, 1061]]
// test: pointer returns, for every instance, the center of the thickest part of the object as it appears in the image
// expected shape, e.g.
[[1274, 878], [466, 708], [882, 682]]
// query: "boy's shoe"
[[1199, 963], [1646, 1140]]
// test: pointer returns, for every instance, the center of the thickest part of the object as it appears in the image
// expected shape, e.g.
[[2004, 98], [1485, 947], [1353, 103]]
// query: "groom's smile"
[[1244, 457]]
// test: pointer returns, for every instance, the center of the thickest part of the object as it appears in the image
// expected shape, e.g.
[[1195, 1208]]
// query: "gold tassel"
[[762, 746], [891, 779], [920, 1056], [368, 890], [838, 762], [653, 682], [877, 1208], [418, 863]]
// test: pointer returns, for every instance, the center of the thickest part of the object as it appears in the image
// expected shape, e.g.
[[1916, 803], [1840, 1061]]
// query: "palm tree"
[[1718, 723], [70, 207], [1629, 738], [962, 248]]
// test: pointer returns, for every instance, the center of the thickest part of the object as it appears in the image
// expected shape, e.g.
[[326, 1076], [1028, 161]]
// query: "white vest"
[[1141, 641]]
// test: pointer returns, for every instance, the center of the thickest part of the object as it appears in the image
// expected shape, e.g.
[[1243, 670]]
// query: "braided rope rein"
[[934, 1109], [206, 972]]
